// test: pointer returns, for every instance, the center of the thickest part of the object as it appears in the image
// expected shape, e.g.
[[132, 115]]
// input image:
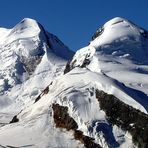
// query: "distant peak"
[[27, 26], [29, 21], [116, 20], [119, 27]]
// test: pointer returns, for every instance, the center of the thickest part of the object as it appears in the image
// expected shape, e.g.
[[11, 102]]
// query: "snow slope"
[[76, 90]]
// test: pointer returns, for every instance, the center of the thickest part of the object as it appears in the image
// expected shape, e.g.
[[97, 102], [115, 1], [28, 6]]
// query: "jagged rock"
[[63, 120], [128, 118], [15, 119], [98, 33], [67, 67], [45, 91]]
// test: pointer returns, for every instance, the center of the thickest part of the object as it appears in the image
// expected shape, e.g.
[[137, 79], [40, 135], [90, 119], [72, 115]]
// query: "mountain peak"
[[117, 38], [115, 20], [27, 26], [119, 27], [26, 46], [116, 28], [28, 22], [122, 38]]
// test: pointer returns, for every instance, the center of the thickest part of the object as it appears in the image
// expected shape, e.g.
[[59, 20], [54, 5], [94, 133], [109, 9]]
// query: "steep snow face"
[[119, 50], [30, 58]]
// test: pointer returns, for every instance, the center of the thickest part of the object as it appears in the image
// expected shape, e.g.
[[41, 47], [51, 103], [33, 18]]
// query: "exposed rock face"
[[31, 63], [126, 117], [70, 64], [45, 91], [15, 119], [67, 67], [63, 120], [98, 33]]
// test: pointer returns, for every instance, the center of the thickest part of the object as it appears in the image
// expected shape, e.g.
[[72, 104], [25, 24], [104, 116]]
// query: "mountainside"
[[99, 100], [30, 58], [119, 51]]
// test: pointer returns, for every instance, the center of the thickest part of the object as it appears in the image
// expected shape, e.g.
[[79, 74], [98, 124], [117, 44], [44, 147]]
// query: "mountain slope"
[[100, 101], [119, 51], [30, 58], [76, 91]]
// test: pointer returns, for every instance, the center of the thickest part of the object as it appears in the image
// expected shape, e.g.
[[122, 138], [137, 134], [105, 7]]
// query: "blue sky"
[[73, 21]]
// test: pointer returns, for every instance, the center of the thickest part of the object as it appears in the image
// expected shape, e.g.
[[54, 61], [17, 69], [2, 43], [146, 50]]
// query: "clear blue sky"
[[73, 21]]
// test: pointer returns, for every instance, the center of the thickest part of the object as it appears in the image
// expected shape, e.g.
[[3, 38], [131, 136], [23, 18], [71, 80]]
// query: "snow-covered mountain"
[[119, 50], [101, 100], [30, 58]]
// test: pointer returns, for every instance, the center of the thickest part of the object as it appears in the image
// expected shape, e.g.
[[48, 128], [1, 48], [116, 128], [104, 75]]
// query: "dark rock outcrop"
[[63, 120], [67, 67], [70, 65], [45, 91], [14, 119], [128, 118], [98, 33]]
